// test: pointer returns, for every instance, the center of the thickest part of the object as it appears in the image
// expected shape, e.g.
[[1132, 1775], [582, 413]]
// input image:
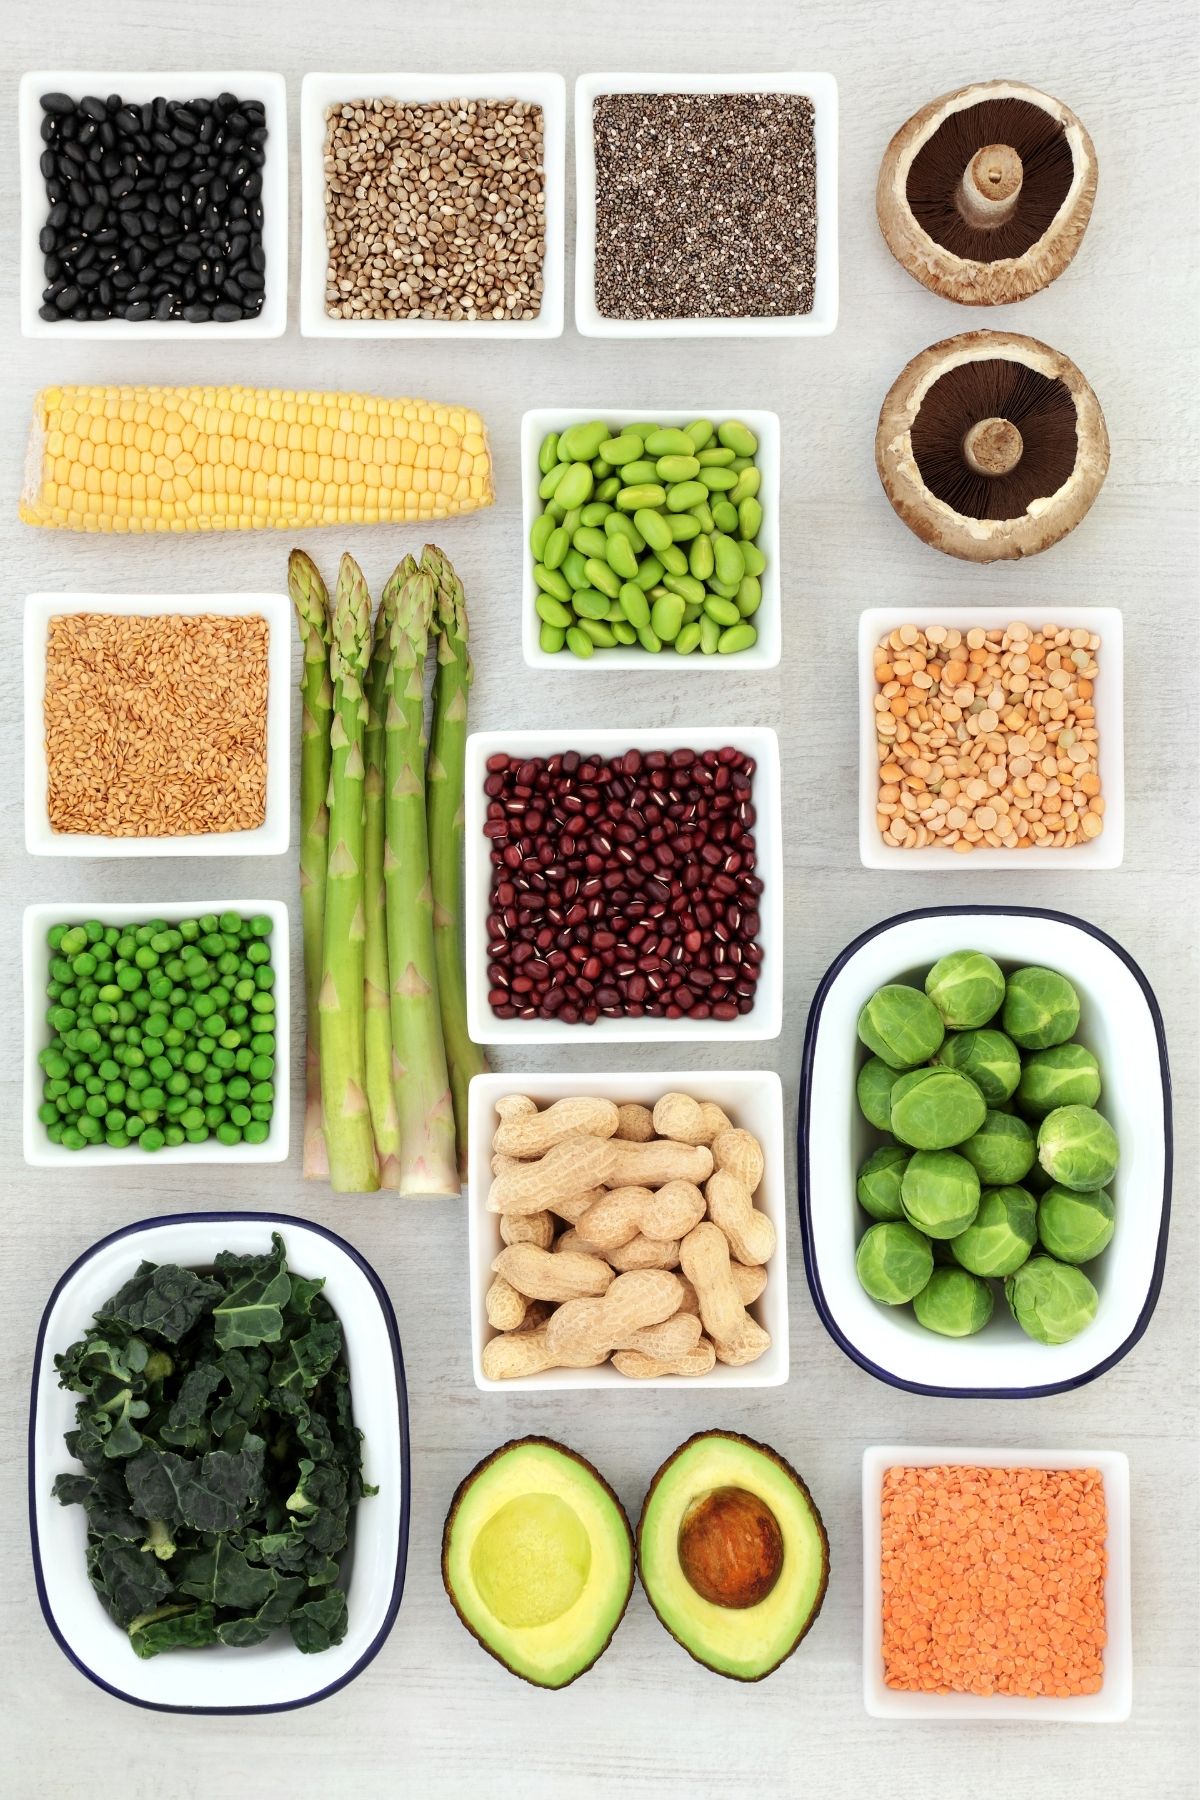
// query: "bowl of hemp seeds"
[[706, 205], [433, 205]]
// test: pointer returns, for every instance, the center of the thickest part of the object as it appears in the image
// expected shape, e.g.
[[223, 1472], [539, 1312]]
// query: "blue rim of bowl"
[[805, 1187], [269, 1219]]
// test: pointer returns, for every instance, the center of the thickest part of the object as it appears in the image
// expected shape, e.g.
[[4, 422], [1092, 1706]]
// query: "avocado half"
[[537, 1558], [732, 1554]]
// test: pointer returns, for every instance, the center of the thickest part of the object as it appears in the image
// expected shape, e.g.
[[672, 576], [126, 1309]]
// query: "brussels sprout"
[[1065, 1075], [939, 1192], [935, 1108], [967, 988], [1004, 1232], [893, 1262], [1040, 1008], [954, 1303], [1051, 1301], [874, 1089], [879, 1182], [1077, 1147], [989, 1058], [901, 1025], [1002, 1150], [1075, 1227]]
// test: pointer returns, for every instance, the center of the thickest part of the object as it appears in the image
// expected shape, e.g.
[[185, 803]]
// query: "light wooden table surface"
[[433, 1716]]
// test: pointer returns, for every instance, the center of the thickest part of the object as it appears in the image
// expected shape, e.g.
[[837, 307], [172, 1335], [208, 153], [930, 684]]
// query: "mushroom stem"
[[990, 187], [992, 447]]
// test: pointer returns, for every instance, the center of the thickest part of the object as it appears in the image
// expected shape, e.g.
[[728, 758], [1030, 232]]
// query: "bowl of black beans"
[[153, 204]]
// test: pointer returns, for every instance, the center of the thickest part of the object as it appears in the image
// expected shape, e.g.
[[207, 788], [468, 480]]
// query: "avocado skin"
[[736, 1437], [459, 1492]]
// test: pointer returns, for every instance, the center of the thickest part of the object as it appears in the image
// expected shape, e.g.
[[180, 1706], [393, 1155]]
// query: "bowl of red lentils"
[[991, 738]]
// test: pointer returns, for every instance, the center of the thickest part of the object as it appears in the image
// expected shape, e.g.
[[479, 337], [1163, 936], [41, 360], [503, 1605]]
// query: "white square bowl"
[[275, 1676], [1119, 1020], [39, 1152], [319, 91], [173, 84], [822, 90], [1105, 852], [753, 1099], [1112, 1703], [765, 1020], [768, 620], [268, 839]]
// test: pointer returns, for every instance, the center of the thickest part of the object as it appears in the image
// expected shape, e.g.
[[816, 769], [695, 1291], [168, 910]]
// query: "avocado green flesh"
[[538, 1561], [744, 1643]]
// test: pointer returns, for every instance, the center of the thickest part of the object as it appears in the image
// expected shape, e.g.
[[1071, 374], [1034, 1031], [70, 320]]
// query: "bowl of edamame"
[[648, 536]]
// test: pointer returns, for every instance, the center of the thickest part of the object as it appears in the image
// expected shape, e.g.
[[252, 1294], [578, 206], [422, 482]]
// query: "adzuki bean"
[[623, 888], [169, 191]]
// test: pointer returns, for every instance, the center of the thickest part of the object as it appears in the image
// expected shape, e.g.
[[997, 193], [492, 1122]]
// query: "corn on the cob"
[[234, 459]]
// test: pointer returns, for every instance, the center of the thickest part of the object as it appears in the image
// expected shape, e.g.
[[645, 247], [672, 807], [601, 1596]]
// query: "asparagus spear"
[[311, 601], [353, 1168], [427, 1160], [444, 776], [381, 1092]]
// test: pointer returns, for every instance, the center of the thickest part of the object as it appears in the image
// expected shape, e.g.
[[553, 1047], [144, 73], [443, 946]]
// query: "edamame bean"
[[618, 525], [701, 561], [579, 642], [590, 603], [673, 560], [621, 449], [748, 484], [624, 634], [614, 613], [609, 488], [737, 437], [687, 587], [684, 527], [589, 542], [548, 452], [738, 637], [685, 494], [621, 557], [557, 545], [553, 612], [666, 617], [599, 632], [703, 512], [650, 573], [572, 568], [725, 590], [725, 612], [579, 443], [594, 513], [676, 468], [710, 636], [669, 441], [700, 431], [602, 576], [654, 528], [539, 532], [554, 512], [718, 481], [749, 596], [642, 470], [692, 612], [753, 558], [551, 581], [728, 558], [649, 639], [741, 462], [725, 516], [716, 458], [687, 640], [641, 429], [634, 604], [548, 485], [571, 521], [575, 486], [750, 517], [551, 639], [643, 495]]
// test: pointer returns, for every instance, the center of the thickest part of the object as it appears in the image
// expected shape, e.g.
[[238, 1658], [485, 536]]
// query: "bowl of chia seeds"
[[706, 205], [153, 205]]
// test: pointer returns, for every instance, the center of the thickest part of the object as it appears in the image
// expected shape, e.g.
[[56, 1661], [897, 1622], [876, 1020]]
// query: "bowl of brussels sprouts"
[[985, 1151]]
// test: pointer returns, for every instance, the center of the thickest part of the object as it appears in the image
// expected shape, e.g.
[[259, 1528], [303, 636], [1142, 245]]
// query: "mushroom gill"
[[947, 186], [994, 435]]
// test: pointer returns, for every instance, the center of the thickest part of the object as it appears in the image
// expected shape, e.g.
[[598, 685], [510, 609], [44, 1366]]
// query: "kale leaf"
[[219, 1476]]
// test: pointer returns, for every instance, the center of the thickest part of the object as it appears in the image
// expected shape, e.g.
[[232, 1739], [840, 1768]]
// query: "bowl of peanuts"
[[991, 739], [628, 1229]]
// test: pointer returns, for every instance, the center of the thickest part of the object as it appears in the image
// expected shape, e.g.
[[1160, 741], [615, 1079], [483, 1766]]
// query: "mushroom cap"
[[1043, 518], [999, 281]]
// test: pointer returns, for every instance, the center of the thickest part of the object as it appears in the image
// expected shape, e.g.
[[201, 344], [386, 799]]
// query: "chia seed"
[[705, 205]]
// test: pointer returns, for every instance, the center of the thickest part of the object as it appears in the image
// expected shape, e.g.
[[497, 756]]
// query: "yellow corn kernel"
[[140, 459]]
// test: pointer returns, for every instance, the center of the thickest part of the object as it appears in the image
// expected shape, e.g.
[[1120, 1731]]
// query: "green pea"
[[576, 486], [551, 639], [589, 603], [685, 494], [634, 604], [749, 596], [748, 484], [673, 560], [669, 442], [557, 545], [650, 572], [609, 488], [552, 612], [725, 517], [750, 518], [548, 485], [594, 513], [725, 612], [718, 481], [654, 528], [579, 443], [649, 639], [624, 632], [737, 637], [753, 558], [622, 558], [619, 525], [572, 568], [548, 452], [686, 586], [716, 458], [642, 495], [579, 643], [551, 581], [256, 1133], [622, 449], [701, 561], [737, 437], [600, 633], [728, 559], [676, 468], [684, 527], [666, 617], [688, 639]]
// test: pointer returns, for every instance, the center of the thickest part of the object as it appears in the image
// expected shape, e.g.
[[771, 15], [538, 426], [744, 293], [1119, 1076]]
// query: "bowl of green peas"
[[650, 536], [156, 1030]]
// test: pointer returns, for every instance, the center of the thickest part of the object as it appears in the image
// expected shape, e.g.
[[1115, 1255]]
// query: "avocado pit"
[[730, 1547]]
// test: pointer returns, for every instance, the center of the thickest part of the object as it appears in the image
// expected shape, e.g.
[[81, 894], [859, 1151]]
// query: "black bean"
[[113, 103], [53, 268], [203, 107], [119, 186], [146, 115], [140, 309], [252, 186], [55, 191], [108, 135], [128, 120], [207, 130], [68, 126], [108, 236], [105, 292], [76, 152], [85, 256], [197, 313], [68, 299], [224, 103], [49, 129], [93, 107], [257, 257], [135, 257], [160, 111], [231, 290], [57, 103], [122, 280], [80, 193], [49, 162], [189, 251], [111, 166], [131, 224], [49, 312], [138, 291], [257, 137], [166, 306], [71, 247], [87, 131], [47, 239], [252, 280], [58, 213], [182, 159], [159, 164], [88, 278], [93, 218], [54, 290], [182, 115], [226, 311]]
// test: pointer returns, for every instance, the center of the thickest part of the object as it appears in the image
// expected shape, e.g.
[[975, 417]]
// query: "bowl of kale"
[[219, 1463]]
